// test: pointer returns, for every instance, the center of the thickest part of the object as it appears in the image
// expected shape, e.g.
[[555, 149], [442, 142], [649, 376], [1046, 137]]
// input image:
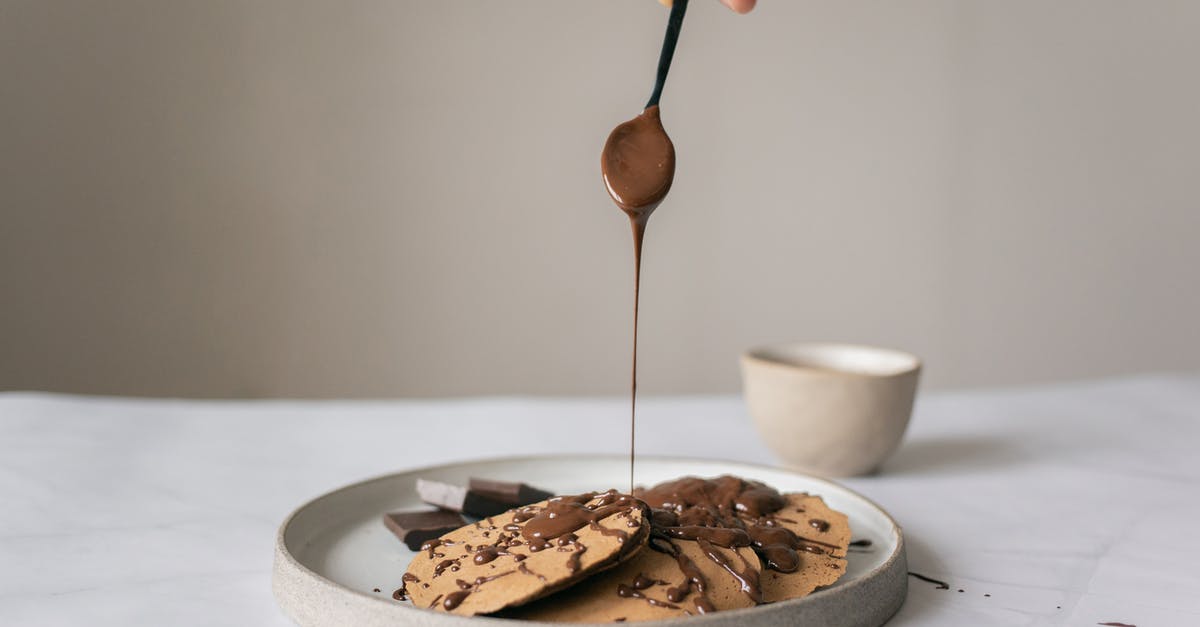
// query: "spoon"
[[638, 161], [638, 164]]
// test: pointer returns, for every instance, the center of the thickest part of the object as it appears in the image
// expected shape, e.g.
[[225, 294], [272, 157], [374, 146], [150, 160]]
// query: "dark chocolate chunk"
[[515, 494], [414, 528], [459, 499]]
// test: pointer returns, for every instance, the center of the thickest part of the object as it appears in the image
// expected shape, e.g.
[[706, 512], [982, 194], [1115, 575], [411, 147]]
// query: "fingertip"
[[739, 6]]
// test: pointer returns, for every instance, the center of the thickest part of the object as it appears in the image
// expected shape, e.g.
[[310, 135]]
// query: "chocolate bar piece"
[[414, 528], [515, 494], [459, 499]]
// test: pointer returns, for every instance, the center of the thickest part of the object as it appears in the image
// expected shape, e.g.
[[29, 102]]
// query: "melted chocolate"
[[576, 555], [557, 522], [731, 512], [747, 576], [430, 545], [727, 538], [568, 514], [524, 570], [627, 592], [638, 163], [641, 582], [941, 585], [724, 496], [693, 578], [863, 543], [638, 166], [443, 565], [487, 554], [776, 546], [454, 599]]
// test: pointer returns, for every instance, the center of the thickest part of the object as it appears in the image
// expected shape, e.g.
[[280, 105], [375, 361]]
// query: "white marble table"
[[1068, 505]]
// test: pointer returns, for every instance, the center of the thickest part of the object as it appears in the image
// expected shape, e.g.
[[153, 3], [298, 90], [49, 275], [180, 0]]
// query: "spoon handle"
[[674, 23]]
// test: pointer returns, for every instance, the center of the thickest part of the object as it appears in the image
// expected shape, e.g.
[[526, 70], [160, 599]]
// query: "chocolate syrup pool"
[[638, 164]]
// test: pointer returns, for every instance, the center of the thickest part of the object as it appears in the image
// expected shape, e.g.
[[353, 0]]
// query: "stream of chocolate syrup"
[[638, 165]]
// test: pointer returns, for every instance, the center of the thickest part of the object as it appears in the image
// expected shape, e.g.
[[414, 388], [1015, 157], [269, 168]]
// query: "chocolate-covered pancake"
[[526, 553], [800, 541], [667, 579], [822, 536]]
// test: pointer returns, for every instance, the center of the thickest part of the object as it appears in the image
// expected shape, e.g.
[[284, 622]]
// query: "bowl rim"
[[754, 356]]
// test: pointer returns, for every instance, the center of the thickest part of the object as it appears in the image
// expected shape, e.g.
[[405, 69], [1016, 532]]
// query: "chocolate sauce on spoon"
[[638, 164]]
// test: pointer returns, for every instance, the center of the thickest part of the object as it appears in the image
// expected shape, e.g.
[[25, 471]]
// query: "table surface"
[[1058, 505]]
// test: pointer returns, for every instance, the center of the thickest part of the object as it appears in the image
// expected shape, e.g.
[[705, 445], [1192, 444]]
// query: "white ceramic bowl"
[[830, 409]]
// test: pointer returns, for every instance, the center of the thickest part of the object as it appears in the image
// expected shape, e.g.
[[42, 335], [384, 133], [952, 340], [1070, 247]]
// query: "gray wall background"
[[382, 198]]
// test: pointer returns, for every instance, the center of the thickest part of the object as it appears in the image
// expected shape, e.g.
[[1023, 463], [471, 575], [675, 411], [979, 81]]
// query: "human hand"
[[739, 6]]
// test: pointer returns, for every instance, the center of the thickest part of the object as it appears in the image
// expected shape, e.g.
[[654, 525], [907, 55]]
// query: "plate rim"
[[282, 551]]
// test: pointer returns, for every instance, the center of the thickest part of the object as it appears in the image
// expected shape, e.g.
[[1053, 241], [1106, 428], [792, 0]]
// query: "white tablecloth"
[[1069, 504]]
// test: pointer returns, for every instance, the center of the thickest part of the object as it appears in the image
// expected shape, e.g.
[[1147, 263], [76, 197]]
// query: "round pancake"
[[526, 553], [824, 538], [653, 585]]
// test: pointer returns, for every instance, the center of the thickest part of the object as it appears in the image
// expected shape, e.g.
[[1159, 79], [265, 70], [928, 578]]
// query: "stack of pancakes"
[[685, 547]]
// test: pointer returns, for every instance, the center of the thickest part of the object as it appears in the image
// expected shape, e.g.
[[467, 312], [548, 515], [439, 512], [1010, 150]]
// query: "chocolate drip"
[[430, 545], [638, 166], [401, 594], [777, 547], [863, 542], [576, 555], [567, 514], [621, 536], [486, 554], [941, 585], [720, 536], [747, 577], [524, 570], [627, 592], [693, 578], [454, 599], [641, 582], [443, 565]]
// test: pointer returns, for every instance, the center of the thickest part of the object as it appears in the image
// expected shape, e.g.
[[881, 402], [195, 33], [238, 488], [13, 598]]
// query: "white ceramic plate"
[[333, 552]]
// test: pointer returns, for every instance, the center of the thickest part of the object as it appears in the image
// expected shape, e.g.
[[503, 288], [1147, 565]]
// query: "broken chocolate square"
[[513, 493], [459, 499], [414, 528]]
